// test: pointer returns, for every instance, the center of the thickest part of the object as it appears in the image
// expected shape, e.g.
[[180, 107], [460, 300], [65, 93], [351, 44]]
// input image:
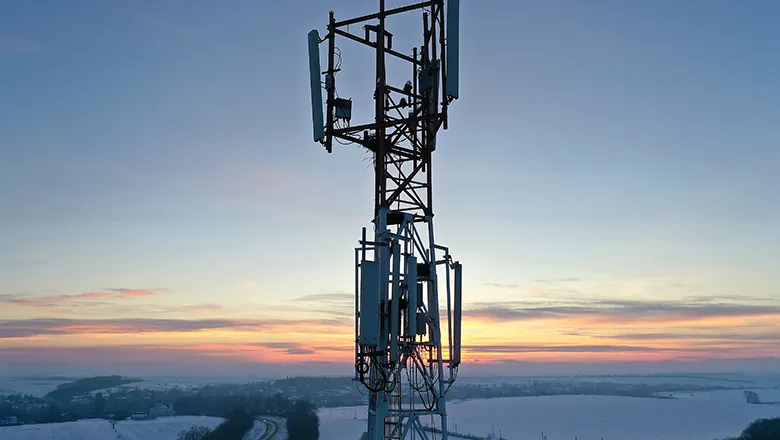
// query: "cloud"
[[276, 345], [134, 293], [504, 286], [558, 348], [712, 336], [298, 351], [331, 301], [26, 328], [589, 348], [336, 305], [617, 310], [196, 308], [152, 360], [67, 300], [19, 46], [292, 348], [327, 297], [518, 287], [548, 281], [57, 326], [560, 280], [727, 298]]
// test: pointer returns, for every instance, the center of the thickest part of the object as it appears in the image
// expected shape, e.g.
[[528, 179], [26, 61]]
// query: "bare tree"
[[194, 433]]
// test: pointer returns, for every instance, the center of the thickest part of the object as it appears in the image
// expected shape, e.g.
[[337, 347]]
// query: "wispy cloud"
[[560, 280], [693, 335], [157, 358], [56, 326], [548, 282], [292, 348], [332, 304], [197, 308], [327, 297], [131, 293], [66, 300], [613, 310], [604, 327], [529, 288], [558, 348]]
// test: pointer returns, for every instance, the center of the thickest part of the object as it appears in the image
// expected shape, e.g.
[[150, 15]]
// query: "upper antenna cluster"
[[433, 85]]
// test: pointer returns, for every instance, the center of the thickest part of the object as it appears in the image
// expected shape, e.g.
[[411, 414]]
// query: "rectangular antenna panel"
[[411, 293], [395, 305], [458, 312], [453, 47], [316, 86], [369, 303]]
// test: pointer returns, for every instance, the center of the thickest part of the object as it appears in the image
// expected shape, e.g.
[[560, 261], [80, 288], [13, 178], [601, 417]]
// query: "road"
[[264, 429], [270, 429]]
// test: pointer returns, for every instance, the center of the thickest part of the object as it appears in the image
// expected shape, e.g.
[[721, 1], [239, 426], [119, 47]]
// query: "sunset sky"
[[609, 181]]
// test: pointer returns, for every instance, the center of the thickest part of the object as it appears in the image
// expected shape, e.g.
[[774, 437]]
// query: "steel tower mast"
[[404, 356]]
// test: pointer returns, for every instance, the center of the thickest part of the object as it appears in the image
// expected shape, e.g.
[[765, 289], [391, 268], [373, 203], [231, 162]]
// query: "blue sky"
[[628, 147]]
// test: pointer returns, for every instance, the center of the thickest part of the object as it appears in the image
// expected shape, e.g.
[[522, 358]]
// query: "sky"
[[608, 181]]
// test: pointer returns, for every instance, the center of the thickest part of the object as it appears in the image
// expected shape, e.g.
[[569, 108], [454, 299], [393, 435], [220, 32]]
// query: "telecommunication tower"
[[404, 356]]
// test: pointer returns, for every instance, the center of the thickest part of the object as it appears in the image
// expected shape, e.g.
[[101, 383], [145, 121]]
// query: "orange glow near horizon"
[[321, 328], [484, 340]]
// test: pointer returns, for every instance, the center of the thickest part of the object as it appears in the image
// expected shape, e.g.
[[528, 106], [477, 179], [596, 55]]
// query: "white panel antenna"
[[316, 86]]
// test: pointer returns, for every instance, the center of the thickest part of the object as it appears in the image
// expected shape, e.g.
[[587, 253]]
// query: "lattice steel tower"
[[404, 356]]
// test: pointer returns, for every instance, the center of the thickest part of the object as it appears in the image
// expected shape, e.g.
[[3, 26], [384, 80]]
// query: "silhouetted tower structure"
[[404, 356]]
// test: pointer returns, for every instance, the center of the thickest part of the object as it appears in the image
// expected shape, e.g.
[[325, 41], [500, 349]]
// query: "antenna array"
[[403, 356]]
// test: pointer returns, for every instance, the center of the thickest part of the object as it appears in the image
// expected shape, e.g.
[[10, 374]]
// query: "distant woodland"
[[103, 397]]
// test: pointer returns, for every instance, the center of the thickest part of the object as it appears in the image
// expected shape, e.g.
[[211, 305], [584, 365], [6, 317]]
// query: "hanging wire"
[[337, 52]]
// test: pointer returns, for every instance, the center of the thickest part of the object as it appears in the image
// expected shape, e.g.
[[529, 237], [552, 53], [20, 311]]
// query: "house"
[[140, 416], [162, 410]]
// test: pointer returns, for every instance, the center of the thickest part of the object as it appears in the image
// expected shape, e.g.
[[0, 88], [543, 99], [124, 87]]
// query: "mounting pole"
[[379, 99]]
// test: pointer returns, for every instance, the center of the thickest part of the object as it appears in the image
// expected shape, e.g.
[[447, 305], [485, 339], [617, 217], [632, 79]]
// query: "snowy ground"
[[33, 387], [165, 428], [583, 417], [766, 395]]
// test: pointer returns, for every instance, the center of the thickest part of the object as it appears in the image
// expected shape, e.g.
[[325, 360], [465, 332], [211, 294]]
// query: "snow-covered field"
[[583, 417], [724, 380], [766, 395], [33, 387], [165, 428], [705, 417]]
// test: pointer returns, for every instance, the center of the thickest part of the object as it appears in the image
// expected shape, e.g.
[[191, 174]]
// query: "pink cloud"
[[60, 300], [26, 328]]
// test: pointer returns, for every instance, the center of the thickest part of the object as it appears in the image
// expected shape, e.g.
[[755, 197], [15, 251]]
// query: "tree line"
[[302, 424]]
